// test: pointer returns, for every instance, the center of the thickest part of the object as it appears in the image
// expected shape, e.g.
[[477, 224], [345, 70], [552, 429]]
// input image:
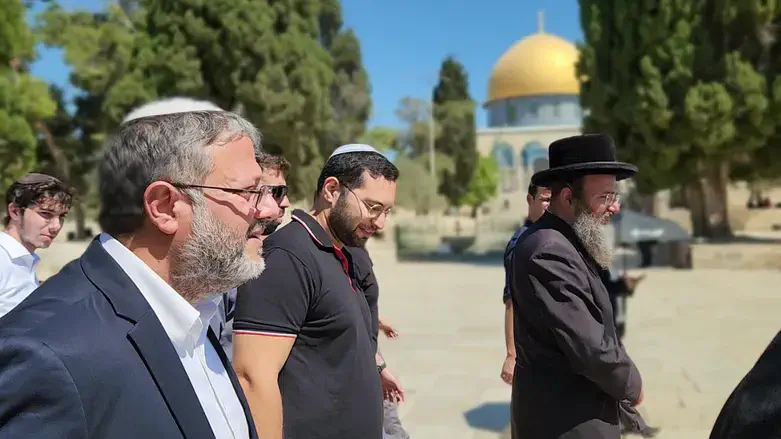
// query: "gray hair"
[[176, 148]]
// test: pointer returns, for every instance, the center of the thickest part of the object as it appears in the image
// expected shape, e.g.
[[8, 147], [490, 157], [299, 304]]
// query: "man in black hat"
[[571, 371]]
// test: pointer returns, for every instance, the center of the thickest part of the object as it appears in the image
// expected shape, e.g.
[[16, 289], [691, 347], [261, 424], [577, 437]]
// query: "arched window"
[[531, 152], [503, 152], [512, 114], [505, 159]]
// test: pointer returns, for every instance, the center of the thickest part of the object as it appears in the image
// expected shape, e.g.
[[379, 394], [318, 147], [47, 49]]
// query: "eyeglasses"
[[375, 210], [610, 198], [277, 192]]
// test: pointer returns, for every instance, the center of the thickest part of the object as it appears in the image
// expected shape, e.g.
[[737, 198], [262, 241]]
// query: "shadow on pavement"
[[490, 416]]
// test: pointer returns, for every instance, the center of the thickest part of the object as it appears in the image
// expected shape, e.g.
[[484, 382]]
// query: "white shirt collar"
[[183, 322], [14, 248]]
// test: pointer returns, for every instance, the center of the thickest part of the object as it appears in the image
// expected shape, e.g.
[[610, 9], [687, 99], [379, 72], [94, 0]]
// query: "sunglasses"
[[278, 192]]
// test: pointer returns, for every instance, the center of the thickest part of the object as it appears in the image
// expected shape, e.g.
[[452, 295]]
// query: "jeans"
[[391, 424]]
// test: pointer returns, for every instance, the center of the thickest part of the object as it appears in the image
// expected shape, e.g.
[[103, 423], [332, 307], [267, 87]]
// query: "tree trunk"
[[708, 203], [78, 213], [64, 169], [695, 197], [720, 225]]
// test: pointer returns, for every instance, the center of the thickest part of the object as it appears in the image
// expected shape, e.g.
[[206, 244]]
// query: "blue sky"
[[404, 42]]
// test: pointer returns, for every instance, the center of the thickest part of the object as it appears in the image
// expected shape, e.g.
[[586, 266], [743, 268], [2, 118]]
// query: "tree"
[[759, 25], [677, 85], [24, 100], [414, 139], [262, 58], [63, 153], [483, 184], [350, 92], [107, 54], [412, 190], [380, 137], [455, 114]]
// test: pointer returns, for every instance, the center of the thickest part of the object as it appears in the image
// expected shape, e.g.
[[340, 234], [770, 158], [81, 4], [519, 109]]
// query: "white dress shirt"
[[17, 273], [187, 328]]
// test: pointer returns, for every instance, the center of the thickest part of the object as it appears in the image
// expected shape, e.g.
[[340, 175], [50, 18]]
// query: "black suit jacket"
[[753, 410], [85, 356], [571, 369]]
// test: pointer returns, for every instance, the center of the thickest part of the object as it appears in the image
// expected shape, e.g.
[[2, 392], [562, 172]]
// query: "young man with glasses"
[[37, 205], [274, 169], [303, 343]]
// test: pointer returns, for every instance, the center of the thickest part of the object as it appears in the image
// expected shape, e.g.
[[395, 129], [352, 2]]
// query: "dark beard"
[[343, 226], [268, 226]]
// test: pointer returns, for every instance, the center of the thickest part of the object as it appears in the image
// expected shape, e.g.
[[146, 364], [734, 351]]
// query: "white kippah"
[[170, 106], [353, 147]]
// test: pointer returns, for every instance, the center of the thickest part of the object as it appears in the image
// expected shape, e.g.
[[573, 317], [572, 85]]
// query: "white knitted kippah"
[[353, 147], [170, 106]]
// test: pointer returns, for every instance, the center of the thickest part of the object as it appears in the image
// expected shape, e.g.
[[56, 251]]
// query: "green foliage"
[[685, 90], [63, 153], [414, 189], [455, 115], [382, 138], [263, 58], [414, 139], [635, 86], [16, 40], [24, 100], [350, 92], [484, 183], [286, 65], [107, 55]]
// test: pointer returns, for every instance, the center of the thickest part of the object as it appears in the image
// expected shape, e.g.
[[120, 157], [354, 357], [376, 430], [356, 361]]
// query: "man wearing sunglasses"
[[274, 169], [303, 335]]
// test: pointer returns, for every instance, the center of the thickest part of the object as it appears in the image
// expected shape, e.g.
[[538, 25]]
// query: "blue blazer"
[[84, 356]]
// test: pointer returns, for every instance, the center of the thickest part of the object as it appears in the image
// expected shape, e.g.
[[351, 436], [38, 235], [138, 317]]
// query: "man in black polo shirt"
[[303, 343]]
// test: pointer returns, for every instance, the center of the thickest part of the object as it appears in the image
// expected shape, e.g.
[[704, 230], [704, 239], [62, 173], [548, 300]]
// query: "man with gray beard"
[[571, 371], [117, 344]]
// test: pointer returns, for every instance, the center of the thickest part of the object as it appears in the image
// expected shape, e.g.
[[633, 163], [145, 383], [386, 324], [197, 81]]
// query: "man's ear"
[[529, 199], [567, 194], [332, 190], [14, 211], [159, 200]]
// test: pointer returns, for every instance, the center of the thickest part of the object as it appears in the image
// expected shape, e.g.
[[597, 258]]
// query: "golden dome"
[[536, 65]]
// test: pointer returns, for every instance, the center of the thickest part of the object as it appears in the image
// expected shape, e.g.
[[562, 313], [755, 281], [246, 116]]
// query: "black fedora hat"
[[585, 154]]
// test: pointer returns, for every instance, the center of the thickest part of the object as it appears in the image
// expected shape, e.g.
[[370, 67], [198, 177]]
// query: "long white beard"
[[593, 235]]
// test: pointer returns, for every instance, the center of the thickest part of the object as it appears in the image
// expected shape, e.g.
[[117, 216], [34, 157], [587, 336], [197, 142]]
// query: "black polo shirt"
[[364, 271], [310, 290]]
